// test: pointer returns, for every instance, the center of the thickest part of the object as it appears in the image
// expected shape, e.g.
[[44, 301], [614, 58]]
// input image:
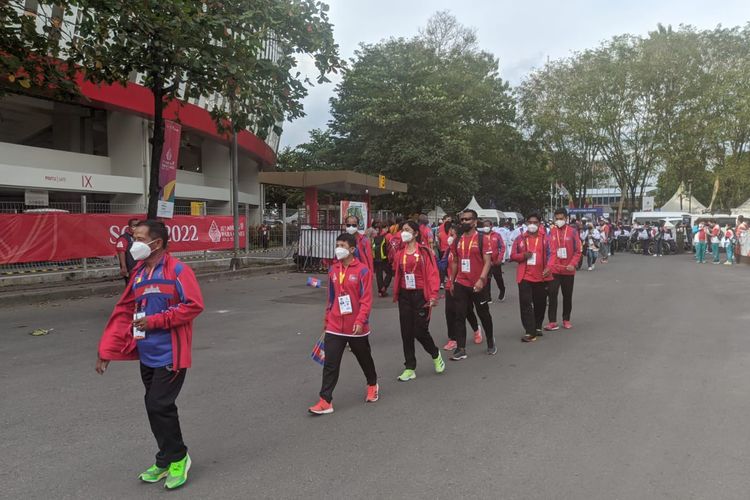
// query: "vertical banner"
[[356, 208], [168, 169]]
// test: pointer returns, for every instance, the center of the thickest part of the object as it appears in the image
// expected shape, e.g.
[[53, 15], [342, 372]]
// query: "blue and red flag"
[[319, 351]]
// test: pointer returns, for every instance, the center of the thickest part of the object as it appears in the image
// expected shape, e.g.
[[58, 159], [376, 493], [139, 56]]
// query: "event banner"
[[170, 155], [356, 208], [59, 237]]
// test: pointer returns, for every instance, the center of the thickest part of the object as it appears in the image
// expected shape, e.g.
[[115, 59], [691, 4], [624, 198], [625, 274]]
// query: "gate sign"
[[168, 169]]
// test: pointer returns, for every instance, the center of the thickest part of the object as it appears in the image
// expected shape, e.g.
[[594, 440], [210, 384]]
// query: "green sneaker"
[[407, 375], [153, 474], [439, 363], [178, 472]]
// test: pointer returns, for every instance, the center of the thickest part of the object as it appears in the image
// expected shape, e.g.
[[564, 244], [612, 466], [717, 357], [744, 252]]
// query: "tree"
[[30, 58], [236, 55], [431, 112], [557, 109]]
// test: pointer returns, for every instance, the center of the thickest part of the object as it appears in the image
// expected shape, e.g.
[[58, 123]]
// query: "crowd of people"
[[462, 258], [152, 320]]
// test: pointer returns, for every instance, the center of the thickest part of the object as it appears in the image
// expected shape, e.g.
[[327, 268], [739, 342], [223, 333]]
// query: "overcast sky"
[[520, 33]]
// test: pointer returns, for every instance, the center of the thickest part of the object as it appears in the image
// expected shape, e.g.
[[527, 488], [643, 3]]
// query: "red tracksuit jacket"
[[567, 238], [429, 271], [117, 342], [355, 281], [498, 248], [520, 247], [364, 251]]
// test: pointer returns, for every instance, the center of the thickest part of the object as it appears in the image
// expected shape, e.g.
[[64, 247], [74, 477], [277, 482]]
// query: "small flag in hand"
[[319, 351]]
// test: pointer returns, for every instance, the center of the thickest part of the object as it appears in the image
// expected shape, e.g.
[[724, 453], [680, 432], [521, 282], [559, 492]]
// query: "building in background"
[[52, 153]]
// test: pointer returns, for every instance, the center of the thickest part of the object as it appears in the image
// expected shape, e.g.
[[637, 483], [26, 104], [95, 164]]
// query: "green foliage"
[[32, 60], [674, 104], [433, 112]]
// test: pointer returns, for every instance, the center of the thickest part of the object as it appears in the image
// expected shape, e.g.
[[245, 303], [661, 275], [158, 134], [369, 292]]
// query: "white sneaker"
[[590, 268]]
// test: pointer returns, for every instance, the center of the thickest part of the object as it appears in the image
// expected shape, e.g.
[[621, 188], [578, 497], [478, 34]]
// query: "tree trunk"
[[157, 143]]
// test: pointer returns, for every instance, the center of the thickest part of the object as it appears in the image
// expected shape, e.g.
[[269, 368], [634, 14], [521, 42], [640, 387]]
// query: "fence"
[[257, 243]]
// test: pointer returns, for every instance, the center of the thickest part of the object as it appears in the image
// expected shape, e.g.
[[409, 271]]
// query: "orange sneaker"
[[478, 336], [322, 408], [450, 346], [372, 393]]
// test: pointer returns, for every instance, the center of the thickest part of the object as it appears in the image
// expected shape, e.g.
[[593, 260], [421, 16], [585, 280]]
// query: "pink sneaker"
[[373, 393], [567, 325], [552, 327], [322, 408], [450, 346], [478, 336]]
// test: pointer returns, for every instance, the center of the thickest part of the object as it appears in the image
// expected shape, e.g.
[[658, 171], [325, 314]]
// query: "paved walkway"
[[646, 398]]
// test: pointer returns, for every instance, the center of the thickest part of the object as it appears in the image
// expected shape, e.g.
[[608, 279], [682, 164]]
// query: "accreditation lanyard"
[[465, 254], [342, 276], [532, 259], [416, 263], [565, 237]]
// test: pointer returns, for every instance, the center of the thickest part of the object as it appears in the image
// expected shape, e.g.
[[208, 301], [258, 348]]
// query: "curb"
[[30, 297]]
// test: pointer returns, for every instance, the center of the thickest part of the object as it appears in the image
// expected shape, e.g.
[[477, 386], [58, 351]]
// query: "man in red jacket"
[[153, 322], [531, 251], [347, 321], [363, 250], [498, 255], [565, 252]]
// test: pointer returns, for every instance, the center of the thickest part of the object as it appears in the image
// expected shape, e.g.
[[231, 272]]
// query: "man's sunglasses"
[[351, 225]]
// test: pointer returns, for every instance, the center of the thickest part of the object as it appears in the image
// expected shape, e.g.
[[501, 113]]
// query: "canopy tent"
[[743, 209], [689, 203], [436, 215], [473, 205]]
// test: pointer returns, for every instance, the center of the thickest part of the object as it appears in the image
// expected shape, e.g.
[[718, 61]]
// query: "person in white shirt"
[[591, 238]]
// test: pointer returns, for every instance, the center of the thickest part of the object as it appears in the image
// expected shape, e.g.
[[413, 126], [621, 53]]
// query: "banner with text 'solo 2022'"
[[170, 154]]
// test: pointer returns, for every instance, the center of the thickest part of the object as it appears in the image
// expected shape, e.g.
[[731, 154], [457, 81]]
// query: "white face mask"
[[560, 223], [351, 229], [532, 228], [484, 230], [140, 250], [406, 236], [450, 240], [341, 253]]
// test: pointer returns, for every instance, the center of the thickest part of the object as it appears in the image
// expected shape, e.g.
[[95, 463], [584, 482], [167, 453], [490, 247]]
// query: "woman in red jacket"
[[417, 283]]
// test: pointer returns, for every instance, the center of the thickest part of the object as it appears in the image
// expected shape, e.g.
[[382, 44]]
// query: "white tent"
[[436, 215], [473, 205], [743, 209], [689, 203]]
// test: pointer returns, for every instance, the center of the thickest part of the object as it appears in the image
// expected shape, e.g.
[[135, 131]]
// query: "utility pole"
[[235, 264]]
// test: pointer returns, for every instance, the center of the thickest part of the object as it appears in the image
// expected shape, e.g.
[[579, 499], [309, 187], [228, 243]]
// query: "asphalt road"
[[647, 397]]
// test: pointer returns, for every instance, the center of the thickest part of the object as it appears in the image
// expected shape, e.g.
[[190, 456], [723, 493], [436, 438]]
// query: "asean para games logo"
[[213, 232]]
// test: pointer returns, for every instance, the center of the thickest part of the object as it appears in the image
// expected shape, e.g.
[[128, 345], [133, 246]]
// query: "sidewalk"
[[14, 297]]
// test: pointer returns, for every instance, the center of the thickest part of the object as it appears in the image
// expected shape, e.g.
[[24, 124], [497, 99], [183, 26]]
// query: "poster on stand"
[[356, 208]]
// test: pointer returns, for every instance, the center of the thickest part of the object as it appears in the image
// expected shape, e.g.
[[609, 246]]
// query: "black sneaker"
[[491, 350], [539, 332], [501, 297], [459, 354]]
